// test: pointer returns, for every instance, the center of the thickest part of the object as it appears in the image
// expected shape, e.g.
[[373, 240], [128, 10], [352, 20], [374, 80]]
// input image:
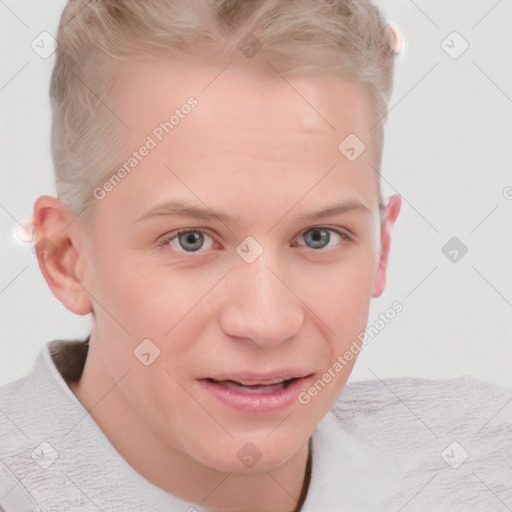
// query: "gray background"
[[447, 152]]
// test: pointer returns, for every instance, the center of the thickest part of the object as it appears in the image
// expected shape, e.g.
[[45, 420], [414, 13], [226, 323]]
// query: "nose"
[[261, 304]]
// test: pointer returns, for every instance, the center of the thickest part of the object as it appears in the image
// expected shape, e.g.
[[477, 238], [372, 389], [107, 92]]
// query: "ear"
[[391, 214], [60, 253]]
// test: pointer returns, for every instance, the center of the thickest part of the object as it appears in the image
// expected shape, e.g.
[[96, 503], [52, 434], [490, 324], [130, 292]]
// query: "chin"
[[247, 454]]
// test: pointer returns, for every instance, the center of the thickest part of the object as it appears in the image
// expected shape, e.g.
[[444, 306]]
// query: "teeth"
[[273, 385], [255, 382], [255, 388], [266, 383]]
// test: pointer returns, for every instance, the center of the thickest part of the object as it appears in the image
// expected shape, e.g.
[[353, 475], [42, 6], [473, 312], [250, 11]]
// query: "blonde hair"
[[346, 37]]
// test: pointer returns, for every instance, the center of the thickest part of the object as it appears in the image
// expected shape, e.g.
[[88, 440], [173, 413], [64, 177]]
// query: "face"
[[244, 246]]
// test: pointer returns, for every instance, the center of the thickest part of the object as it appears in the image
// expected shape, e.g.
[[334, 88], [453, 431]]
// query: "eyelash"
[[175, 234]]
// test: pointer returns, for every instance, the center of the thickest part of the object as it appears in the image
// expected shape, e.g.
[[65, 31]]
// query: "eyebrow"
[[186, 209], [202, 212], [334, 209]]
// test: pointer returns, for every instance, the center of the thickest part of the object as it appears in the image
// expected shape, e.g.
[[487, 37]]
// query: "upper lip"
[[250, 378]]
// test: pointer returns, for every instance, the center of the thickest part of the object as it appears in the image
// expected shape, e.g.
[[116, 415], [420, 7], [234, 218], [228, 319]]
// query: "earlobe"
[[58, 250], [392, 211]]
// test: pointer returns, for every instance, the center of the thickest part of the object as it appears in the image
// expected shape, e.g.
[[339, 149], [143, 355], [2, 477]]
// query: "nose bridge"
[[259, 288], [265, 287], [259, 305]]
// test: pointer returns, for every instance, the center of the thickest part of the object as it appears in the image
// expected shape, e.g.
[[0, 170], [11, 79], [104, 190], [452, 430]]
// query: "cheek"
[[343, 292], [343, 305], [155, 393], [130, 288]]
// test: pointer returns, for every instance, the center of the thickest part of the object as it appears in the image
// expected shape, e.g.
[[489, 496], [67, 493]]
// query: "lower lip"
[[260, 401]]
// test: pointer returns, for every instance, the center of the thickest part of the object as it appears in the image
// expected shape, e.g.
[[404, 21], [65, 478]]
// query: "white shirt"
[[397, 444]]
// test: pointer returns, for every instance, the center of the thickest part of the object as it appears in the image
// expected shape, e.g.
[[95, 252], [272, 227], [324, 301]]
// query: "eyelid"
[[337, 229], [343, 233], [165, 239]]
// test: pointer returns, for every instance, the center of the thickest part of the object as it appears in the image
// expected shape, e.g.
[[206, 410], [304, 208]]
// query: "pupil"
[[318, 238], [191, 241]]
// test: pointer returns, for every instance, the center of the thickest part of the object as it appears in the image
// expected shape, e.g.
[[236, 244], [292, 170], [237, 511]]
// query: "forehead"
[[250, 131], [238, 93]]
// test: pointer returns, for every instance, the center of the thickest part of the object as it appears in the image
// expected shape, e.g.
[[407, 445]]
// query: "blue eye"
[[189, 241], [197, 240], [319, 238]]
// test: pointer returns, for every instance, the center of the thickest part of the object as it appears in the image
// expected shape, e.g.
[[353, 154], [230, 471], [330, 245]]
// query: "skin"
[[252, 148]]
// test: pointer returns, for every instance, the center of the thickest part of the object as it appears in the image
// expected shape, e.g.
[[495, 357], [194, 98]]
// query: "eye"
[[320, 237], [193, 240], [188, 240]]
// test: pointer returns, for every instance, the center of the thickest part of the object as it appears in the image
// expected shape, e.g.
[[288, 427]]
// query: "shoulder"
[[17, 404], [35, 412], [466, 396], [452, 436]]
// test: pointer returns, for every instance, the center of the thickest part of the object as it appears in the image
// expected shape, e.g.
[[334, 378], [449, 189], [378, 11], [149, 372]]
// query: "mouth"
[[254, 387], [252, 393]]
